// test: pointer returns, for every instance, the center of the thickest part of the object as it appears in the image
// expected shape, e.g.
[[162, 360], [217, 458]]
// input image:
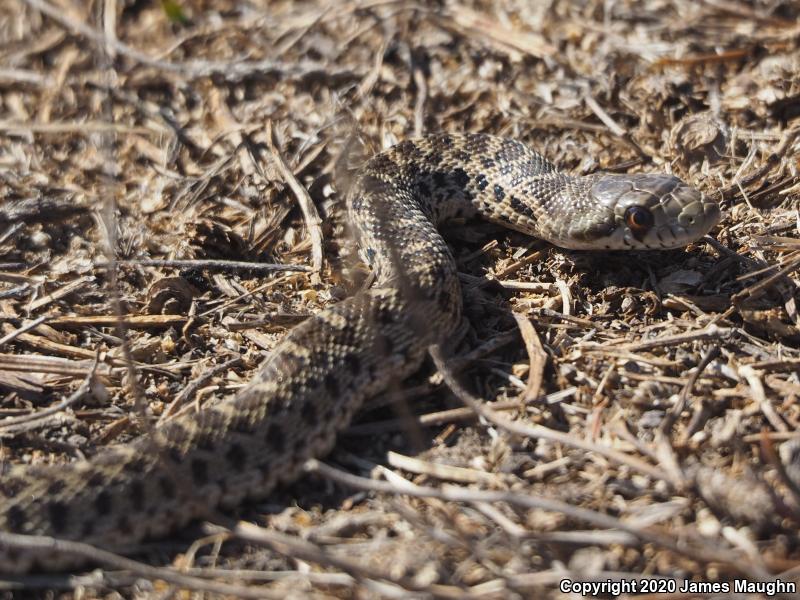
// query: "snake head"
[[647, 211]]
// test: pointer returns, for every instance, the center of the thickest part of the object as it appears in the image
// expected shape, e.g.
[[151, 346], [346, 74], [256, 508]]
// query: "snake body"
[[320, 374]]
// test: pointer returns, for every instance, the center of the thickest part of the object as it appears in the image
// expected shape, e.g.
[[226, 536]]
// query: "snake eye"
[[639, 220]]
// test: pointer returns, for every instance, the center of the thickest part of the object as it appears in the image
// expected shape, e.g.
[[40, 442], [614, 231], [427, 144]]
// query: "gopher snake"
[[320, 374]]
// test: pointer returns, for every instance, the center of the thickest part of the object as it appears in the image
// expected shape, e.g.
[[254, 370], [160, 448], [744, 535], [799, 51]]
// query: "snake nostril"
[[690, 216]]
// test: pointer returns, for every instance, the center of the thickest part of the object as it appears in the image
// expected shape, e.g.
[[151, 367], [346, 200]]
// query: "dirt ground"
[[643, 406]]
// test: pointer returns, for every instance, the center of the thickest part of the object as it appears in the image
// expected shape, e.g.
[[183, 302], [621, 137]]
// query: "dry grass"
[[644, 407]]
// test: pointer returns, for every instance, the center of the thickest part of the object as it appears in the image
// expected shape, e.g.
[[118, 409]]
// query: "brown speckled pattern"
[[319, 375]]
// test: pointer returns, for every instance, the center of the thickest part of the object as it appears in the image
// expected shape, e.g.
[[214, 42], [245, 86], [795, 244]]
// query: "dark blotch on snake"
[[167, 487], [137, 495], [59, 515], [15, 519], [124, 526], [206, 441], [385, 316], [136, 466], [96, 480], [199, 471], [11, 487], [460, 177], [102, 503], [353, 363], [331, 384], [236, 456], [175, 455], [521, 207], [385, 345], [55, 487], [276, 438], [309, 413], [88, 528]]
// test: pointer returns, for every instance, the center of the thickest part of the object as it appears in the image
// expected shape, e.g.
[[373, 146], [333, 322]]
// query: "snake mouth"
[[695, 221], [690, 216]]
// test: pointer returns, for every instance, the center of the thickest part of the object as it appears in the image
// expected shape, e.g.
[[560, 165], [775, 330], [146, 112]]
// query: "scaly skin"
[[320, 374]]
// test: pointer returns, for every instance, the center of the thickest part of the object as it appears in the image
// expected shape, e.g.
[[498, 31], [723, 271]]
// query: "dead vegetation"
[[638, 413]]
